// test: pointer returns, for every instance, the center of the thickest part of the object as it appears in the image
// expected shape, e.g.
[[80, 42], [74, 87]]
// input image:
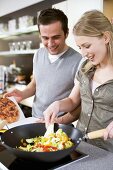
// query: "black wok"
[[12, 138]]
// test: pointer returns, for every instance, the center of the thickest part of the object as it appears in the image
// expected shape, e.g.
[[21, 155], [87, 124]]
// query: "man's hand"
[[17, 94], [40, 120]]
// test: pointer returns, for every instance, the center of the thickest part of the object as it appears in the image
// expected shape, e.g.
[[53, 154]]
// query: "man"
[[54, 65]]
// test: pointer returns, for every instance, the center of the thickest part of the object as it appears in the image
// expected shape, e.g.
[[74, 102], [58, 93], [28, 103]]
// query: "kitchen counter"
[[97, 159]]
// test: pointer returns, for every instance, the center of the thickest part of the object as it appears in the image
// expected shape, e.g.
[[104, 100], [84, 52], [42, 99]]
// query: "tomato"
[[47, 148]]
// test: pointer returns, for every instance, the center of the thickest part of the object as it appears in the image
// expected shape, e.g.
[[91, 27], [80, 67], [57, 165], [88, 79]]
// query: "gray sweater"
[[54, 81]]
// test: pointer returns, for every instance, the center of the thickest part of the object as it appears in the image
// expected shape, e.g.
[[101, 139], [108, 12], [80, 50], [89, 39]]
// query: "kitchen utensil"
[[2, 167], [50, 129], [95, 134], [3, 78], [12, 139]]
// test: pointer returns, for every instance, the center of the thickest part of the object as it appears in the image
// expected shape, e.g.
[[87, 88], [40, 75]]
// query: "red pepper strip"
[[47, 148]]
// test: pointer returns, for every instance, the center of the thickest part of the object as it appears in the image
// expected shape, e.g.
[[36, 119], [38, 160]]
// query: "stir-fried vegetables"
[[53, 142]]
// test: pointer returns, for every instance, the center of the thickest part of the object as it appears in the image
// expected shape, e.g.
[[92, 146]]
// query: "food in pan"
[[8, 110], [53, 142]]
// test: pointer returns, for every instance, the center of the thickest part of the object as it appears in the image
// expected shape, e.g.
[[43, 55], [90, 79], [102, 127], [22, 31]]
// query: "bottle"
[[13, 65], [6, 79], [2, 79]]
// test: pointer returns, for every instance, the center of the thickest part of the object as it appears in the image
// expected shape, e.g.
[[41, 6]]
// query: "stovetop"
[[18, 163]]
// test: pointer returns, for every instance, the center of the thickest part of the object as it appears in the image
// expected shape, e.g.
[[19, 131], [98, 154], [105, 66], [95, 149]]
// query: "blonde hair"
[[93, 24]]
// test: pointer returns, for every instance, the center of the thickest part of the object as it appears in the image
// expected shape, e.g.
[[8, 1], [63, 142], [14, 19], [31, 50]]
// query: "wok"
[[12, 139]]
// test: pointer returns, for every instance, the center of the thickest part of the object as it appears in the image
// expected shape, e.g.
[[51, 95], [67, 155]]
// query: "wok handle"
[[96, 134]]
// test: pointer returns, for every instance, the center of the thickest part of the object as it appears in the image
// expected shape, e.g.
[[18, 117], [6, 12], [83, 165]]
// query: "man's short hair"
[[52, 15]]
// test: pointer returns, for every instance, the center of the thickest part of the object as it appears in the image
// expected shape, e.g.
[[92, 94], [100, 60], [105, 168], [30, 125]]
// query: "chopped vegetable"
[[53, 142]]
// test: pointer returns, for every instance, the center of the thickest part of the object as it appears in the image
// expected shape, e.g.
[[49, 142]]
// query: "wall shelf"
[[30, 29], [10, 53]]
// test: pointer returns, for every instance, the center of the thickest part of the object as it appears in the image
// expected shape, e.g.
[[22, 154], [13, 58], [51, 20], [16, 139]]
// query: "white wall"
[[75, 9], [14, 5]]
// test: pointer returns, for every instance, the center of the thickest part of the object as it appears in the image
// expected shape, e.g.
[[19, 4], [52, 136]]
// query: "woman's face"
[[93, 48]]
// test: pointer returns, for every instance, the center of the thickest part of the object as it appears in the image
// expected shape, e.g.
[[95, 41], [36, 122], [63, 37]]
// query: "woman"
[[94, 82]]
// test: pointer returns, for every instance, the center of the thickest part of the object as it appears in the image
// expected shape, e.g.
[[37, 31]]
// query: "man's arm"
[[20, 95], [30, 89], [69, 117]]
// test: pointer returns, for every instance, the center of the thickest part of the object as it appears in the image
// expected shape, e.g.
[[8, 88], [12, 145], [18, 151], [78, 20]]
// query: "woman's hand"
[[109, 131], [51, 113]]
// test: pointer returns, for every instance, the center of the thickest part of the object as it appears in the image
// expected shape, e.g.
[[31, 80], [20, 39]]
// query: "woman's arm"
[[69, 117], [66, 105]]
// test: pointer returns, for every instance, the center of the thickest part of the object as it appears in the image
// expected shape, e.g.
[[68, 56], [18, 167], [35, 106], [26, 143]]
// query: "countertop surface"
[[97, 159]]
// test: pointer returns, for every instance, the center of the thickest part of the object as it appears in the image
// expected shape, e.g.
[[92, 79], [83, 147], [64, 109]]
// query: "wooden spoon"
[[50, 129]]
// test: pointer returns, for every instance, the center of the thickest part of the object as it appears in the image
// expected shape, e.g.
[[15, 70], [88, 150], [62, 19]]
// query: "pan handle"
[[96, 134]]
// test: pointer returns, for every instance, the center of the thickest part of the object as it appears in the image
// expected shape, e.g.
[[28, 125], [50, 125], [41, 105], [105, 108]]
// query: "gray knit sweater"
[[54, 81]]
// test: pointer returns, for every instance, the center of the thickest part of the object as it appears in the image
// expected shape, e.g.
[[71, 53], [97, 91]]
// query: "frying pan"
[[12, 138]]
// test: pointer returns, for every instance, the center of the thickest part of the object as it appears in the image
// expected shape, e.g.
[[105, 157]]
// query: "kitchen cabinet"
[[108, 8], [6, 8], [14, 36], [19, 36]]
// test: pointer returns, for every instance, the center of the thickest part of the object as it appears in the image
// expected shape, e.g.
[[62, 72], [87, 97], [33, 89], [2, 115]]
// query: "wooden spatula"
[[50, 129]]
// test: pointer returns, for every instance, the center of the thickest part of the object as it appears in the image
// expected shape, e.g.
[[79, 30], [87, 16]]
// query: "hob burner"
[[18, 164]]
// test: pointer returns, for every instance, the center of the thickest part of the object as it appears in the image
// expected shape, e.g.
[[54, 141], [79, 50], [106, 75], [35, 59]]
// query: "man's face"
[[53, 37]]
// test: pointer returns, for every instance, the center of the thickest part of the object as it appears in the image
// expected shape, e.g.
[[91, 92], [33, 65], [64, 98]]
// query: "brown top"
[[97, 109]]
